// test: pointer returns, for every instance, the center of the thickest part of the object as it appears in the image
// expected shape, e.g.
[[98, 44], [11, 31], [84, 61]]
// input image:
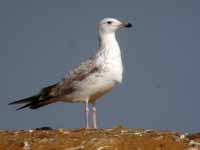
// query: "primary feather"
[[37, 100]]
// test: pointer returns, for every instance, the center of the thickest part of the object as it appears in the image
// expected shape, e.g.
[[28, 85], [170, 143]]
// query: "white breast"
[[109, 59]]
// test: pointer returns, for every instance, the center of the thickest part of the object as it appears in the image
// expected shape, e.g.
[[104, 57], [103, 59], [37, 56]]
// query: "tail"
[[38, 100], [32, 102]]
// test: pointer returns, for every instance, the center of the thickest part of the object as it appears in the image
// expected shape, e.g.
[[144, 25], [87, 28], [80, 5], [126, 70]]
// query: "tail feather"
[[37, 104], [33, 102], [38, 100], [27, 105], [26, 100]]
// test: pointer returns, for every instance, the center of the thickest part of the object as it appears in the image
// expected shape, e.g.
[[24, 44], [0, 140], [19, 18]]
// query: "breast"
[[99, 93], [115, 70], [95, 86], [112, 65], [103, 83]]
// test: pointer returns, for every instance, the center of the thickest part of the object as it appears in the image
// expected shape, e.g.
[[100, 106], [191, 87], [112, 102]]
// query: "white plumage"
[[90, 80]]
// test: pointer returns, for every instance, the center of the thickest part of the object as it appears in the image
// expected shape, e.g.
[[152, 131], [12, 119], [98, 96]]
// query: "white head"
[[111, 25]]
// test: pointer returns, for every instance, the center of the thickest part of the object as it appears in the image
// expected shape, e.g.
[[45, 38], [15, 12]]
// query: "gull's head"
[[111, 25]]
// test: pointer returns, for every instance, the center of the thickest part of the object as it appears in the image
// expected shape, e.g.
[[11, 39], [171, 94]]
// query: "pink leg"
[[94, 115], [86, 115]]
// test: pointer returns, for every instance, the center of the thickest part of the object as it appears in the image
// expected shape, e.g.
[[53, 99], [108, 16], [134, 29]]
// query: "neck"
[[109, 53], [107, 41]]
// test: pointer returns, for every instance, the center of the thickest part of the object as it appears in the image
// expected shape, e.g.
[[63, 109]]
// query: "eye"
[[109, 22]]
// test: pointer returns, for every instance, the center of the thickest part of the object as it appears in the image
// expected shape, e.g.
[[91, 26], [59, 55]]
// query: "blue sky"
[[42, 40]]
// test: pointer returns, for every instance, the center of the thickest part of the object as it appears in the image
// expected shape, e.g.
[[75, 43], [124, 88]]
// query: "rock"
[[118, 138]]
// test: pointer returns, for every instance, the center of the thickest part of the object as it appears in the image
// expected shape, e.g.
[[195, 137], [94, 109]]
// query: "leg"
[[86, 115], [94, 115]]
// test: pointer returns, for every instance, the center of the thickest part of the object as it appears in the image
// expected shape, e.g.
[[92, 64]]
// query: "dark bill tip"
[[128, 25]]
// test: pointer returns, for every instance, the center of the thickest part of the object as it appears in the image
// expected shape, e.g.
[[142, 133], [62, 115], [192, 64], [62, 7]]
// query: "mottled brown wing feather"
[[65, 86]]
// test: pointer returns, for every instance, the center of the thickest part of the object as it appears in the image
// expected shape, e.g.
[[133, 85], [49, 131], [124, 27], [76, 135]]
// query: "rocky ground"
[[118, 138]]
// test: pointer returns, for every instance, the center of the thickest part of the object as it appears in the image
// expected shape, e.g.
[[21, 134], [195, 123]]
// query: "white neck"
[[109, 55], [107, 41]]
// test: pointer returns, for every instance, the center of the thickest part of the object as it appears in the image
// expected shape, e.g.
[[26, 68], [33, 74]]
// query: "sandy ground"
[[118, 138]]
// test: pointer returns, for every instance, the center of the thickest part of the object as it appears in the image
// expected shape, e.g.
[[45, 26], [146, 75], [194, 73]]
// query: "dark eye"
[[109, 22]]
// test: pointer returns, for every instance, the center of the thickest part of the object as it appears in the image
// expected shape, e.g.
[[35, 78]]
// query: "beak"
[[127, 24]]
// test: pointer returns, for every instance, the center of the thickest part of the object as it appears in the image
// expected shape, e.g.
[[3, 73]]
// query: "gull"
[[91, 79]]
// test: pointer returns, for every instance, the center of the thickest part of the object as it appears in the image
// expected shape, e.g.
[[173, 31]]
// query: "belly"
[[91, 88], [97, 89], [98, 93]]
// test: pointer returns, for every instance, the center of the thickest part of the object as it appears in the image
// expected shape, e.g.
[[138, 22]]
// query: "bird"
[[90, 80]]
